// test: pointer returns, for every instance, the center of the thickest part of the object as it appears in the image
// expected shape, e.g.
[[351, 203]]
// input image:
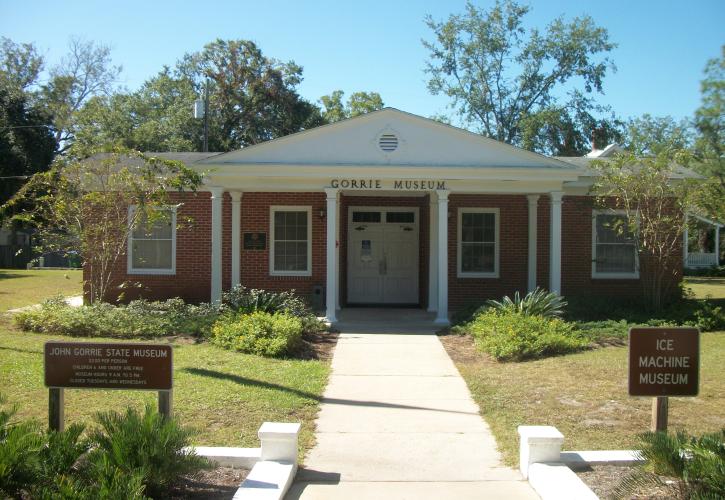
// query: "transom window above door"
[[400, 216]]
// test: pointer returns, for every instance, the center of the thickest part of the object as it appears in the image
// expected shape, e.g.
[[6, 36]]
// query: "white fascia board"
[[392, 172]]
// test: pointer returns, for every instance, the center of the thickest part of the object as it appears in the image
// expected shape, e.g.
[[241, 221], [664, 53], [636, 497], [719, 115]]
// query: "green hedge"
[[139, 318], [514, 336], [259, 333]]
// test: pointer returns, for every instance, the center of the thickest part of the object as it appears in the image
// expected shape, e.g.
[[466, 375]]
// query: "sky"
[[374, 45]]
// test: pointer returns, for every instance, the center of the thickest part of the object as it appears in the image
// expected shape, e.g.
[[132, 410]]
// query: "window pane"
[[290, 240], [400, 217], [612, 228], [613, 258], [151, 254], [359, 216], [478, 227], [478, 257]]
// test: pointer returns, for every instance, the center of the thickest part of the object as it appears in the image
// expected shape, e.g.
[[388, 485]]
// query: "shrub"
[[149, 446], [259, 333], [516, 336], [248, 300], [140, 318], [536, 303], [697, 462]]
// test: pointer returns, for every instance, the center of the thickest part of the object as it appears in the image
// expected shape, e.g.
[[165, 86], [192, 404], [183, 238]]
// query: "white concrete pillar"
[[538, 444], [442, 312], [555, 246], [337, 252], [279, 441], [236, 236], [533, 222], [217, 196], [433, 254], [331, 286]]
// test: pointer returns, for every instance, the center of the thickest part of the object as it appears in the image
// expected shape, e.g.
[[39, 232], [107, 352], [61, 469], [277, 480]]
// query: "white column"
[[217, 195], [433, 254], [331, 291], [555, 247], [442, 316], [236, 236], [337, 254], [533, 220]]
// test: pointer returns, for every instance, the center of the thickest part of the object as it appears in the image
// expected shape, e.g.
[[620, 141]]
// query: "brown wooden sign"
[[86, 365], [664, 361]]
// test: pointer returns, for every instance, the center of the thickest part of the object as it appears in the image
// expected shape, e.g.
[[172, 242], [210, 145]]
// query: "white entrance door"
[[383, 256]]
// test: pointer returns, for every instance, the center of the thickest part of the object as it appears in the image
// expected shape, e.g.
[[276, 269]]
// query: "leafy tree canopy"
[[359, 103], [506, 80], [650, 135]]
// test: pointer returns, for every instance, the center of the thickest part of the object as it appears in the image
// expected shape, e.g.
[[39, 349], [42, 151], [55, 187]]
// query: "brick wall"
[[513, 249], [193, 248]]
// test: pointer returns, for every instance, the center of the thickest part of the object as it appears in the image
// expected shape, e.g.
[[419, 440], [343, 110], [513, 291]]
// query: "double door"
[[383, 256]]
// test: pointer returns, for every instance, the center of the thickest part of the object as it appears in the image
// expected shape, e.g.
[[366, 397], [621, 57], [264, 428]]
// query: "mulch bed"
[[462, 349], [603, 479], [215, 484], [318, 345]]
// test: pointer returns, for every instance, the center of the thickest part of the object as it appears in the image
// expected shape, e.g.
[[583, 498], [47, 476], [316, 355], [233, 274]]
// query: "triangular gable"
[[387, 137]]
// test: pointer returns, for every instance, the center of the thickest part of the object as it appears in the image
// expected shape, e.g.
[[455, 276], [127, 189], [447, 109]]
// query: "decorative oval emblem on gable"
[[388, 142]]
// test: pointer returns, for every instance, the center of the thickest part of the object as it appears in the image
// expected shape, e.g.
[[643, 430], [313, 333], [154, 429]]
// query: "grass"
[[704, 286], [20, 288], [224, 395], [584, 395]]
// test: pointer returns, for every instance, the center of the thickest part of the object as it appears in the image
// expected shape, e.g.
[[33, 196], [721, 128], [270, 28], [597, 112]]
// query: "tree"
[[26, 143], [710, 143], [504, 81], [82, 205], [359, 103], [157, 117], [651, 135], [84, 72], [654, 203], [253, 98]]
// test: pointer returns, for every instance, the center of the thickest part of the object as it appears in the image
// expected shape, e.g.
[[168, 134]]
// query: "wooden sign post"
[[85, 365], [663, 362]]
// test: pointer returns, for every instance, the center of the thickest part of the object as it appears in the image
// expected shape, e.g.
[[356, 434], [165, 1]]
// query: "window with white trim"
[[152, 246], [614, 250], [291, 241], [478, 242]]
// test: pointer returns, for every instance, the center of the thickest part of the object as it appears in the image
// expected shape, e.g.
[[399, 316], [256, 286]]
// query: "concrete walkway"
[[397, 420]]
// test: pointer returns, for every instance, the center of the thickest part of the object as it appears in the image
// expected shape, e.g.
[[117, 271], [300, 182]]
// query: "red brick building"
[[385, 208]]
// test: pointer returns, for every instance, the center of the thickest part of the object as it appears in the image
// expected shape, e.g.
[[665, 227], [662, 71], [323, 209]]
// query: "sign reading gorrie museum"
[[85, 365], [393, 184], [664, 361]]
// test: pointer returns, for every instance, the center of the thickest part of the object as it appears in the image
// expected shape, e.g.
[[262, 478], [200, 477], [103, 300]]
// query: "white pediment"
[[387, 137]]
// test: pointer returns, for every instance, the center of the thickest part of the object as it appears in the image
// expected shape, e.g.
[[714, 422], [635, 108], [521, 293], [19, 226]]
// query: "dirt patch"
[[317, 345], [215, 484], [462, 349], [604, 479]]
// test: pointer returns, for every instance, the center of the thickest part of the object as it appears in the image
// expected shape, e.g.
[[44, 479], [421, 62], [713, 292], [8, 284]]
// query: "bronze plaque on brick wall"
[[255, 241], [85, 365], [664, 361]]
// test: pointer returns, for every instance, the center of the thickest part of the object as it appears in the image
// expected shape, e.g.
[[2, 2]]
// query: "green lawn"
[[223, 394], [20, 288], [584, 395], [703, 286]]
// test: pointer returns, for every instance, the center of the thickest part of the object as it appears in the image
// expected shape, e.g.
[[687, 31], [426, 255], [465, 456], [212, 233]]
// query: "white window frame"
[[289, 208], [129, 249], [613, 275], [497, 243]]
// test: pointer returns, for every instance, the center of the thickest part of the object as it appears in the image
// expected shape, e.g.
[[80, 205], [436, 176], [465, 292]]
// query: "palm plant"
[[536, 303]]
